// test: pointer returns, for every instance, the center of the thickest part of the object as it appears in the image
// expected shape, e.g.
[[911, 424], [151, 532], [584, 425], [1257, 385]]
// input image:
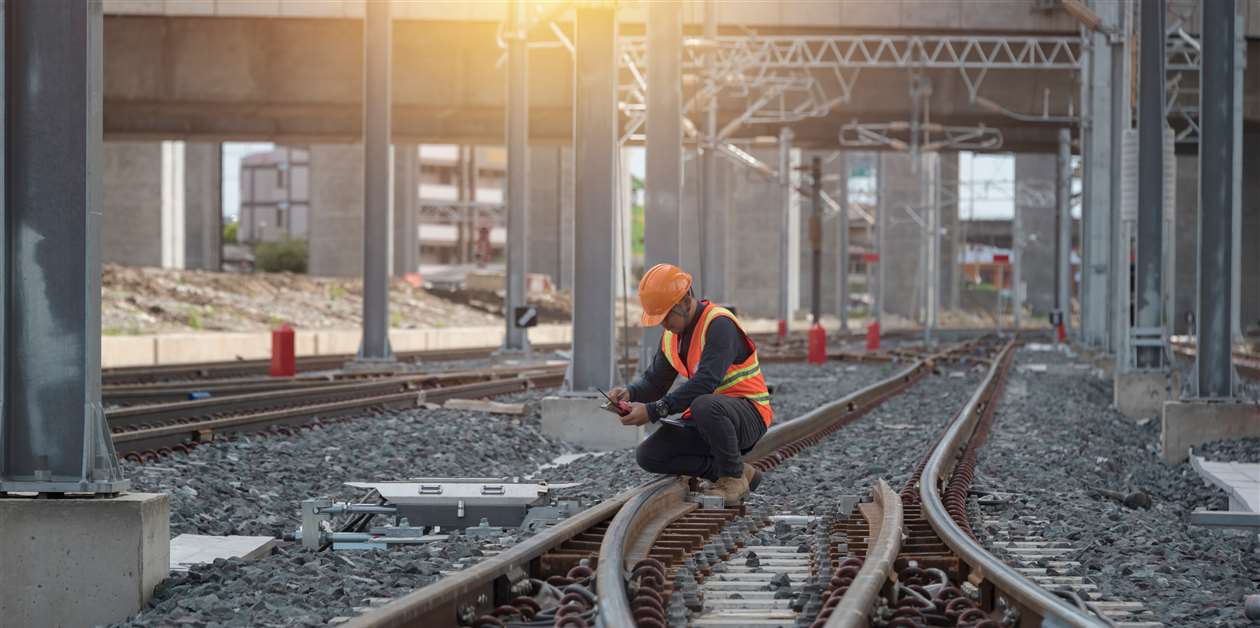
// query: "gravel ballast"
[[253, 486], [1060, 449]]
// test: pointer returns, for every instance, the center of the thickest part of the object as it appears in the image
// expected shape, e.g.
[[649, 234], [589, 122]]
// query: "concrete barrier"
[[185, 348]]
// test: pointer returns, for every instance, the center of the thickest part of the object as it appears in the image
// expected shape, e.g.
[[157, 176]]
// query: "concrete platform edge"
[[1188, 424]]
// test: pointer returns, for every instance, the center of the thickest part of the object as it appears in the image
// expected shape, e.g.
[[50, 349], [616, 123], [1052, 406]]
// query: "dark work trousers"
[[722, 429]]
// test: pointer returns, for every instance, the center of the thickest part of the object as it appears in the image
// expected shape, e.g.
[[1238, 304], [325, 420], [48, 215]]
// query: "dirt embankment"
[[153, 300]]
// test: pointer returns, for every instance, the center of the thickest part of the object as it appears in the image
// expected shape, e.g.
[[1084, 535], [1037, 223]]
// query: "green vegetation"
[[336, 292], [194, 319], [395, 319], [282, 256], [229, 232]]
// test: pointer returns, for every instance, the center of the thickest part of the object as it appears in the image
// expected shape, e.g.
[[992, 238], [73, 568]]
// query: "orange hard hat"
[[662, 287]]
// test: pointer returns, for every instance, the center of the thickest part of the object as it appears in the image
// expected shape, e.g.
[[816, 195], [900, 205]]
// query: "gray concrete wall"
[[900, 191], [203, 209], [1035, 202], [1185, 241], [690, 236], [336, 218], [132, 231]]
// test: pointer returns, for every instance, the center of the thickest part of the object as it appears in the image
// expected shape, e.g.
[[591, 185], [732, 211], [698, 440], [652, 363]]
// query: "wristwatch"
[[660, 409]]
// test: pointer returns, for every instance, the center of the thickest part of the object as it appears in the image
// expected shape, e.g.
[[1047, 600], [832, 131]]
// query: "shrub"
[[282, 256], [229, 232]]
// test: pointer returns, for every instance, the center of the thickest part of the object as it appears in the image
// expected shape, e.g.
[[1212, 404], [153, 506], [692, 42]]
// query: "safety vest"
[[741, 380]]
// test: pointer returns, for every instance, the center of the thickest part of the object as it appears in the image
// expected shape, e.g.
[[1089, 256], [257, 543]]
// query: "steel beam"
[[595, 177], [516, 338], [662, 205], [1063, 250], [377, 176], [1096, 205], [1121, 121], [406, 198], [53, 435], [1150, 219], [1214, 373]]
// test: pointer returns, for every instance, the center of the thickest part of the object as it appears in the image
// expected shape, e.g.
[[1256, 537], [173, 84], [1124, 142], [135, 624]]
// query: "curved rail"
[[782, 441], [1017, 589], [854, 609]]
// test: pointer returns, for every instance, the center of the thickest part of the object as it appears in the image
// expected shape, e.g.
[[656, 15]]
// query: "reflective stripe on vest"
[[743, 380]]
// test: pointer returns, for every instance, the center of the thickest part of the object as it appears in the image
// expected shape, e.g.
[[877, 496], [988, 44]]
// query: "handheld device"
[[620, 408]]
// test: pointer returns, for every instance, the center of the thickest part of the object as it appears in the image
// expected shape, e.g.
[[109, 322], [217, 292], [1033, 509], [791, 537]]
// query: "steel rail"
[[162, 436], [780, 441], [121, 417], [854, 609], [177, 392], [1017, 589]]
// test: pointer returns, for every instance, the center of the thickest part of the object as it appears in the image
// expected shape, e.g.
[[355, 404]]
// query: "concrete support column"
[[596, 172], [406, 199], [132, 200], [1249, 253], [662, 211], [1063, 227], [546, 214], [951, 236], [842, 244], [336, 211], [1036, 205], [789, 228], [901, 202], [203, 207], [172, 216], [1186, 243], [713, 267]]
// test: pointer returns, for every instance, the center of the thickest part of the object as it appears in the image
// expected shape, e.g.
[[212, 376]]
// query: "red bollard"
[[1062, 333], [283, 361], [872, 336], [817, 344], [782, 329]]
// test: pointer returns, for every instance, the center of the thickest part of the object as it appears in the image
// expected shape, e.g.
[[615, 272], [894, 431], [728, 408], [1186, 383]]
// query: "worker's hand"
[[619, 393], [638, 415]]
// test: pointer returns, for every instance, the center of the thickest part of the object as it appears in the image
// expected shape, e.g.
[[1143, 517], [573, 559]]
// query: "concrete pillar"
[[545, 212], [690, 232], [336, 214], [951, 238], [1185, 242], [1249, 293], [1035, 201], [406, 198], [132, 231], [901, 198], [203, 206], [754, 289]]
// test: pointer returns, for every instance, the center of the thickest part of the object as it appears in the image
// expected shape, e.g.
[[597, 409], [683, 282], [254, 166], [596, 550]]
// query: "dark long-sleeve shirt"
[[724, 345]]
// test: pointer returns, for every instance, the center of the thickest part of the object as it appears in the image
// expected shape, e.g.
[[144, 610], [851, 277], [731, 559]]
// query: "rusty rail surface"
[[952, 463], [149, 432], [854, 609]]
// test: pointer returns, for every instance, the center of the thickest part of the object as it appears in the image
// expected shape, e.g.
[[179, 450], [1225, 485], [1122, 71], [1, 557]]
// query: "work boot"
[[731, 490], [752, 475]]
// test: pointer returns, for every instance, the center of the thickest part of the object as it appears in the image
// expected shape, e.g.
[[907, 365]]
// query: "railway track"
[[568, 554], [144, 433], [896, 559]]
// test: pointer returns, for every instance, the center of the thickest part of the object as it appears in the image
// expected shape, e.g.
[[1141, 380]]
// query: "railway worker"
[[724, 403]]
